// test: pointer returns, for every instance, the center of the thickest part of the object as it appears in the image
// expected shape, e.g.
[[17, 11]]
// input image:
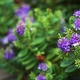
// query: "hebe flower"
[[20, 28], [41, 78], [77, 14], [24, 17], [77, 24], [75, 38], [23, 10], [11, 36], [64, 44], [4, 40], [8, 54], [42, 66], [62, 29]]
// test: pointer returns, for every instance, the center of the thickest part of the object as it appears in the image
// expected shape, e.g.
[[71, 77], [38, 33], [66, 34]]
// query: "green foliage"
[[66, 63], [49, 76], [71, 68], [39, 41], [71, 59], [7, 18]]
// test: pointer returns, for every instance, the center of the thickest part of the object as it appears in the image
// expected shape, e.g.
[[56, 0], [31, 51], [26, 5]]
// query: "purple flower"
[[23, 18], [8, 54], [31, 29], [41, 78], [42, 66], [62, 29], [4, 40], [75, 38], [64, 44], [11, 36], [77, 24], [23, 10], [77, 14], [20, 28]]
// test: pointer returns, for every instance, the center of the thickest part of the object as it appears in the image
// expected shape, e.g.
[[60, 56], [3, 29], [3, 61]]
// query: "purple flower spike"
[[75, 38], [42, 66], [23, 10], [20, 28], [23, 18], [41, 78], [8, 54], [4, 40], [31, 29], [77, 24], [11, 36], [62, 29], [77, 14], [64, 44]]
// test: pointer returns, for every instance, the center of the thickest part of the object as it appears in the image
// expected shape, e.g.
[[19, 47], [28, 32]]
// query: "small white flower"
[[75, 44]]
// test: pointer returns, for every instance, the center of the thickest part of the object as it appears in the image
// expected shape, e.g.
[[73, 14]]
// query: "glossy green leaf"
[[71, 68], [23, 52], [37, 41], [66, 63], [28, 61], [31, 65]]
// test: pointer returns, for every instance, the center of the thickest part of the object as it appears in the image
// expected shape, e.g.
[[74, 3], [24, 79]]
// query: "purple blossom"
[[77, 24], [41, 78], [4, 40], [23, 10], [8, 54], [75, 38], [62, 29], [20, 28], [31, 29], [64, 44], [62, 22], [42, 66], [24, 17], [77, 14], [11, 36]]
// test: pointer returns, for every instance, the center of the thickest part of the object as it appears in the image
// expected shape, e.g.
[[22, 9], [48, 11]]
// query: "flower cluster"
[[75, 38], [77, 24], [9, 38], [77, 20], [4, 40], [64, 44], [23, 10], [9, 53], [43, 67], [24, 17], [23, 14], [41, 78], [77, 14], [20, 28]]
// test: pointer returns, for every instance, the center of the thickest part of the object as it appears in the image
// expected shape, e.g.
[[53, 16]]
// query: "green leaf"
[[31, 65], [37, 41], [23, 52], [20, 76], [71, 68], [66, 63], [43, 47], [28, 61], [25, 57]]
